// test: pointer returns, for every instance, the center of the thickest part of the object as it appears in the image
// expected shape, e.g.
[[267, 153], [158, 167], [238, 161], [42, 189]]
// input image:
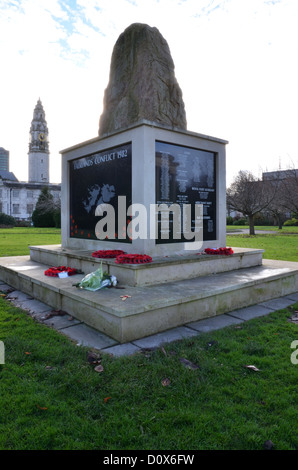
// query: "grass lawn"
[[280, 246], [52, 398], [16, 241]]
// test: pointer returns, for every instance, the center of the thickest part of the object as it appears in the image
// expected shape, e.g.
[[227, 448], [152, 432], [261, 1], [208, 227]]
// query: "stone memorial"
[[148, 187], [145, 163], [142, 83]]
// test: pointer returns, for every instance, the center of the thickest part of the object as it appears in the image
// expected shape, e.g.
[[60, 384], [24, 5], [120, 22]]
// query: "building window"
[[29, 193], [15, 193], [1, 207], [16, 208], [29, 209], [0, 192]]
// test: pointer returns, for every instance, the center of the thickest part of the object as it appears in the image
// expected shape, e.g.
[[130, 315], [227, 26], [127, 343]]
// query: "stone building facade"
[[4, 159], [18, 198]]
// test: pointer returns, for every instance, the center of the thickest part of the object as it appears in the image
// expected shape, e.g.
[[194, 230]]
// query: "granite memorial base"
[[211, 285], [134, 171]]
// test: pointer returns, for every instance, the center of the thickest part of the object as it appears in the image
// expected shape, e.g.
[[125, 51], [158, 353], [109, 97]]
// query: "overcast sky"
[[235, 61]]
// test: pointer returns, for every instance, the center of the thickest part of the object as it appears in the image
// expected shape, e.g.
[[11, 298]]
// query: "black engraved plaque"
[[186, 175], [95, 179]]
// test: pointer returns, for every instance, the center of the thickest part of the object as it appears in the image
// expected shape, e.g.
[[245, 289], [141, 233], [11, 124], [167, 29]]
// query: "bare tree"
[[276, 210], [249, 195], [290, 190], [286, 187]]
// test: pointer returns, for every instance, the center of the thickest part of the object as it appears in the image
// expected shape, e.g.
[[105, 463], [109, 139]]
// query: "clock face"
[[42, 137]]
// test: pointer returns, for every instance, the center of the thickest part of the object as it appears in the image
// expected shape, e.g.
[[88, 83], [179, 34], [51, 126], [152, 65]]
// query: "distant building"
[[38, 155], [18, 198], [279, 174], [4, 159], [287, 182]]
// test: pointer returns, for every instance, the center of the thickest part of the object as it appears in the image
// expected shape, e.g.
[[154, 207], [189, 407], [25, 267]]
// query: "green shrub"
[[23, 223], [229, 220], [240, 222], [261, 219], [43, 219], [43, 215], [57, 218], [292, 222], [7, 220]]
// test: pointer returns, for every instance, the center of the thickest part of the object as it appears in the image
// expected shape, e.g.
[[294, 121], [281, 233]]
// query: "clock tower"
[[39, 147]]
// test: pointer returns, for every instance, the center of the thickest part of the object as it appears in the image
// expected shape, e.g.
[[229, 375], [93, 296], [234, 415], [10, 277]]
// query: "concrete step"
[[155, 308], [160, 270]]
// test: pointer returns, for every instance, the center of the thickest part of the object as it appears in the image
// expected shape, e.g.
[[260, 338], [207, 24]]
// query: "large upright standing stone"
[[142, 83]]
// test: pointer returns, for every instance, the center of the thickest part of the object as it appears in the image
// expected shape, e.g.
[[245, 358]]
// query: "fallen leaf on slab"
[[124, 297], [253, 368], [188, 363], [166, 382], [55, 313]]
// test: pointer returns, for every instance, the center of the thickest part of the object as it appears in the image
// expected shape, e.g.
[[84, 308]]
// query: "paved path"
[[86, 336], [239, 231], [246, 231]]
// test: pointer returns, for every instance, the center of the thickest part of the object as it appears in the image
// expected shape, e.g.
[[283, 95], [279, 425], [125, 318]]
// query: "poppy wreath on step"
[[219, 251], [55, 271], [107, 253], [133, 259]]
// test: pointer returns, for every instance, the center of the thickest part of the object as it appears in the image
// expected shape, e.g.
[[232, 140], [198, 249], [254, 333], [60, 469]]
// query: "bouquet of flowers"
[[97, 280]]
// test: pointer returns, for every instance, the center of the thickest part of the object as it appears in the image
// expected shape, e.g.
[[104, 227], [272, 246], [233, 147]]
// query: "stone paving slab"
[[248, 313], [18, 296], [214, 323], [119, 350], [293, 297], [158, 339], [86, 336], [5, 288], [32, 306], [277, 304], [60, 322]]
